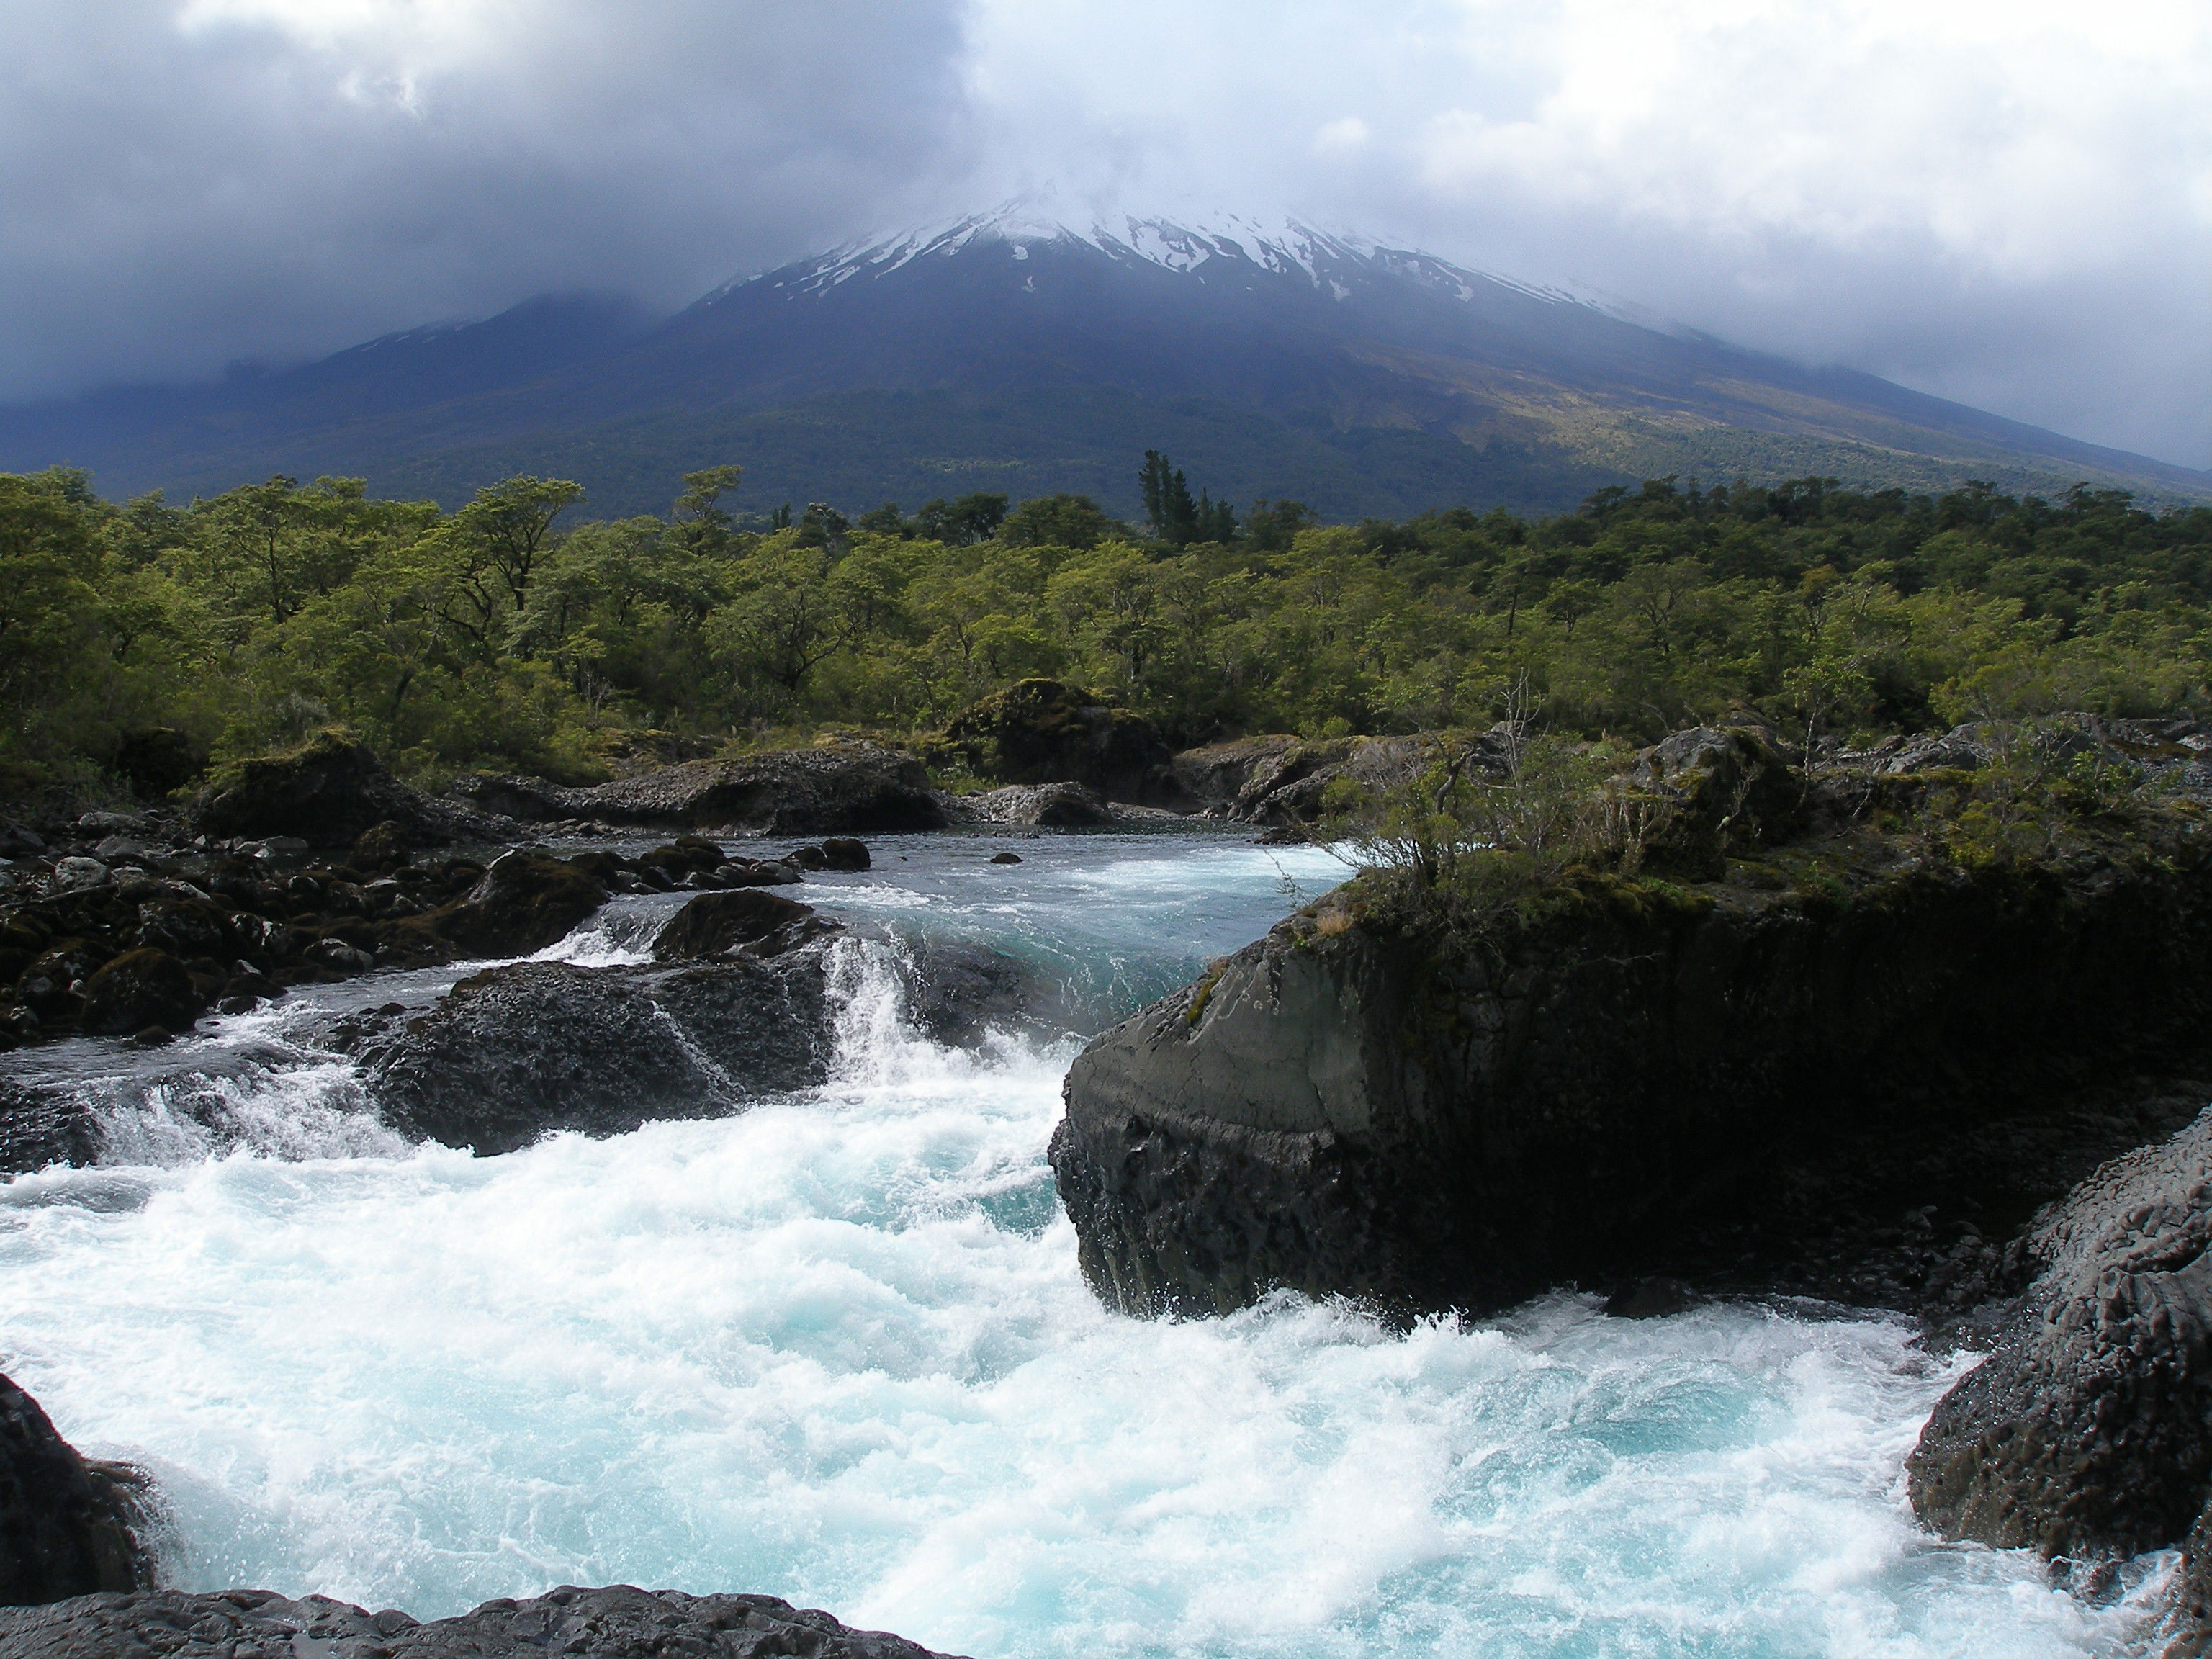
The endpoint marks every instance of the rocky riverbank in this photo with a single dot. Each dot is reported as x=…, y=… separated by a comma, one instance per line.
x=1864, y=1027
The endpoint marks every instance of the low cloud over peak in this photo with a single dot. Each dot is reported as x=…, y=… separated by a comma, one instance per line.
x=2006, y=205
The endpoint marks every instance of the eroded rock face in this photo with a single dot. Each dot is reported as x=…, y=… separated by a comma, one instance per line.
x=66, y=1526
x=516, y=1053
x=2089, y=1431
x=1728, y=1085
x=524, y=902
x=840, y=789
x=620, y=1622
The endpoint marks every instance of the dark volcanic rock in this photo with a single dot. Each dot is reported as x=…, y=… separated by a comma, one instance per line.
x=1748, y=1082
x=66, y=1526
x=2089, y=1431
x=957, y=991
x=616, y=1623
x=1042, y=732
x=327, y=791
x=43, y=1126
x=516, y=1052
x=524, y=902
x=841, y=789
x=714, y=923
x=844, y=853
x=137, y=989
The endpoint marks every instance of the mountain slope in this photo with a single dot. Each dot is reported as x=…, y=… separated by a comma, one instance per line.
x=1003, y=352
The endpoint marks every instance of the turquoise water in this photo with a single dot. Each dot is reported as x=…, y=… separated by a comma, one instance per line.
x=837, y=1349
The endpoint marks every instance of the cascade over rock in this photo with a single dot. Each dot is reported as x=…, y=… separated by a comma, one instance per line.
x=516, y=1053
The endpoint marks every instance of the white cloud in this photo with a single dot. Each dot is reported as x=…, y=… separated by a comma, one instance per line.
x=2008, y=203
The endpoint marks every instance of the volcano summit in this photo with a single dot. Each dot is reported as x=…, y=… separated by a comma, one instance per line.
x=1007, y=352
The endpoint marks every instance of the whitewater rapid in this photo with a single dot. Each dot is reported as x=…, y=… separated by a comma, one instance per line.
x=837, y=1348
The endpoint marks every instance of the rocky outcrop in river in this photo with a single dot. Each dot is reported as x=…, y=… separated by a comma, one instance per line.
x=2087, y=1431
x=1847, y=1067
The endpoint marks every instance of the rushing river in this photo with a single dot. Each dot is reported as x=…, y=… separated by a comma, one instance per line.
x=837, y=1348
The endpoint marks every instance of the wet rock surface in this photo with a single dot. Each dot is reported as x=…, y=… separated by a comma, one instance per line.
x=68, y=1527
x=196, y=926
x=619, y=1622
x=766, y=924
x=516, y=1053
x=2088, y=1429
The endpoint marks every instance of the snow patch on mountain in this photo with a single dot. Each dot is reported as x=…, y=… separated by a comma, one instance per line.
x=1223, y=244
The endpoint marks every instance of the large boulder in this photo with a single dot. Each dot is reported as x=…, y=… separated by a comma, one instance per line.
x=845, y=788
x=1833, y=1088
x=2087, y=1431
x=1044, y=732
x=1727, y=790
x=326, y=791
x=620, y=1622
x=524, y=900
x=1286, y=782
x=137, y=989
x=714, y=924
x=513, y=1054
x=67, y=1527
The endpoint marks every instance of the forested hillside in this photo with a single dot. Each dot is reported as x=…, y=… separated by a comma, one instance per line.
x=142, y=641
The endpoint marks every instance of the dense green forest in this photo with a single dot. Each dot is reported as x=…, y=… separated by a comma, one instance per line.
x=139, y=640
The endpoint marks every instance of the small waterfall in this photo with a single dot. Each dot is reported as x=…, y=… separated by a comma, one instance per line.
x=315, y=1110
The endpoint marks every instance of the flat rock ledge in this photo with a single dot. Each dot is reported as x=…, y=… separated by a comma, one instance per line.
x=619, y=1622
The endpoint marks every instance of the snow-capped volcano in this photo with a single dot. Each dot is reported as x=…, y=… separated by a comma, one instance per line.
x=1224, y=246
x=1030, y=350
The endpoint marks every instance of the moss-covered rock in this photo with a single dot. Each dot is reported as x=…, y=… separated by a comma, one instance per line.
x=1044, y=732
x=326, y=791
x=141, y=988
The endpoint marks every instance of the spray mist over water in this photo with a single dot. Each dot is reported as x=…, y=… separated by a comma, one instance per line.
x=837, y=1348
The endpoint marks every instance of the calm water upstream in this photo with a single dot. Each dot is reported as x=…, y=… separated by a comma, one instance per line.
x=837, y=1348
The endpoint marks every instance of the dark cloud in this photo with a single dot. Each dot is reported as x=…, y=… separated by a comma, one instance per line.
x=186, y=183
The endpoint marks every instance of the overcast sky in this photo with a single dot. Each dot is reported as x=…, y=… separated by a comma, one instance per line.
x=2009, y=203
